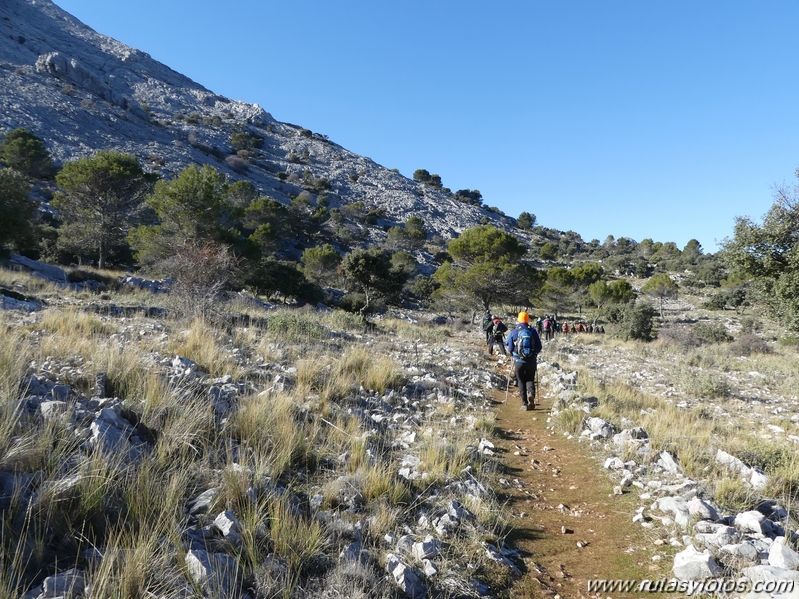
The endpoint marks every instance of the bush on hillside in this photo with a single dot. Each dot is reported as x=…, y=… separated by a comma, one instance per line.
x=356, y=302
x=548, y=251
x=749, y=344
x=16, y=208
x=635, y=322
x=789, y=342
x=24, y=152
x=711, y=333
x=679, y=336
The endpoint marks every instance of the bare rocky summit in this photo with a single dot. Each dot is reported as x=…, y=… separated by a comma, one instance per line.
x=81, y=91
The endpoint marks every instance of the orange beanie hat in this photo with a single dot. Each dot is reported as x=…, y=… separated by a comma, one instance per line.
x=524, y=317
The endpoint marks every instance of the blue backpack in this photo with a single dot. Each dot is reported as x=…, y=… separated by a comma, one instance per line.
x=524, y=347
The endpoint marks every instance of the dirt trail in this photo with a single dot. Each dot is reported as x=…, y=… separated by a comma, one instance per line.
x=553, y=484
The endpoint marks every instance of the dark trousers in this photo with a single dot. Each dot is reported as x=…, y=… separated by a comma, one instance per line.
x=497, y=339
x=525, y=377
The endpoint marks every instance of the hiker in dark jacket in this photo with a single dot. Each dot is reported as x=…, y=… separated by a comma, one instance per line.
x=488, y=326
x=498, y=336
x=524, y=367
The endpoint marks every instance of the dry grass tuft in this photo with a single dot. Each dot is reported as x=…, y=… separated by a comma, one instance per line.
x=202, y=343
x=444, y=457
x=298, y=538
x=274, y=434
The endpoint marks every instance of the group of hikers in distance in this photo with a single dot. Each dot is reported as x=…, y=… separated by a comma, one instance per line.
x=524, y=344
x=546, y=326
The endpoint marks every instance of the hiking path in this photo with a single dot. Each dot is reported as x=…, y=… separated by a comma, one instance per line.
x=565, y=515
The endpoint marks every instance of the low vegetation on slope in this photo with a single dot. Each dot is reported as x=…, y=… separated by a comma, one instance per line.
x=701, y=424
x=299, y=454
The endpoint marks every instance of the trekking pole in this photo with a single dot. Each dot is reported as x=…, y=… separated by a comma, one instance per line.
x=507, y=386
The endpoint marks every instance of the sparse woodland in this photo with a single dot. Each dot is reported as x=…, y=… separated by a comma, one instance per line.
x=294, y=411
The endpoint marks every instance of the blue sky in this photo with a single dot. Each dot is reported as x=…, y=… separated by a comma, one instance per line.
x=634, y=119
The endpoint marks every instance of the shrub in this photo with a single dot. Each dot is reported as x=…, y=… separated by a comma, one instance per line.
x=717, y=301
x=701, y=383
x=236, y=163
x=246, y=141
x=270, y=277
x=711, y=333
x=526, y=221
x=442, y=256
x=679, y=336
x=548, y=251
x=201, y=272
x=749, y=344
x=353, y=302
x=25, y=153
x=295, y=327
x=750, y=323
x=789, y=342
x=16, y=208
x=469, y=196
x=423, y=287
x=635, y=322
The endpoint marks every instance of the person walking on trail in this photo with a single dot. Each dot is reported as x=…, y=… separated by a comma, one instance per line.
x=546, y=325
x=498, y=336
x=488, y=325
x=524, y=345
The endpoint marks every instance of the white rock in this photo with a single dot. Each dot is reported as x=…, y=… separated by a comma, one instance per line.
x=426, y=549
x=705, y=511
x=676, y=506
x=733, y=463
x=404, y=578
x=753, y=521
x=52, y=410
x=230, y=528
x=669, y=463
x=428, y=568
x=691, y=564
x=600, y=427
x=782, y=556
x=745, y=551
x=64, y=584
x=769, y=573
x=758, y=479
x=218, y=573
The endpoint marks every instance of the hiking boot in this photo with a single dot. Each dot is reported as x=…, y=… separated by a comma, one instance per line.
x=525, y=407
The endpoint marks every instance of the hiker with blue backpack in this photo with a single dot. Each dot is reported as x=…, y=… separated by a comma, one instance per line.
x=524, y=345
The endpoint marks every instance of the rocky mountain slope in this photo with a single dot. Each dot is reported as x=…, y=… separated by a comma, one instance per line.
x=81, y=91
